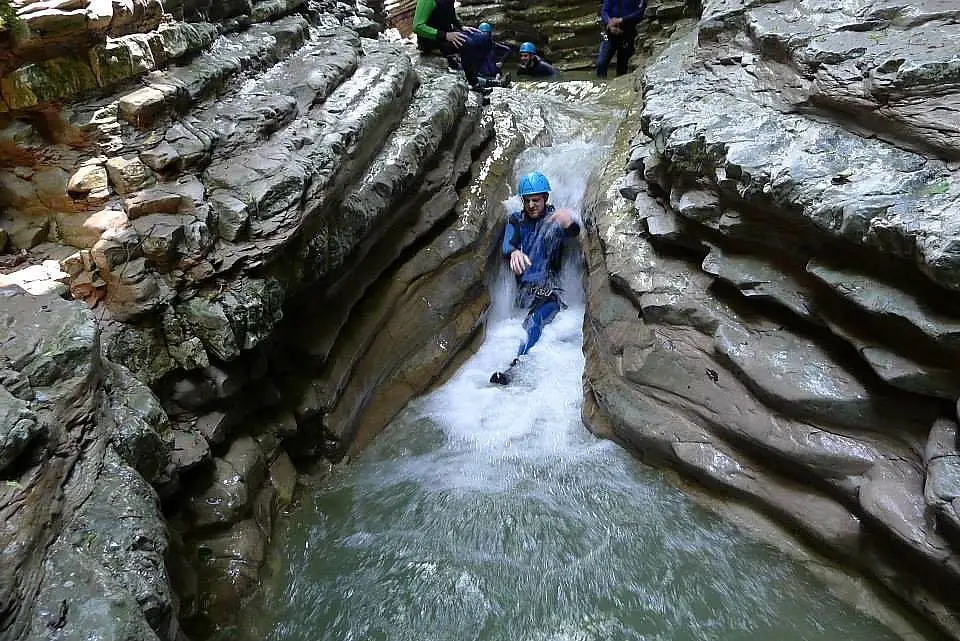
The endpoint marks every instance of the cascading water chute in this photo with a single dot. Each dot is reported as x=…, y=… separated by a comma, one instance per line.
x=490, y=513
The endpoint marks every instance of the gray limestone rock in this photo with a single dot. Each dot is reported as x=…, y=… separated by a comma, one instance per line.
x=161, y=158
x=224, y=501
x=190, y=449
x=208, y=321
x=246, y=457
x=129, y=174
x=19, y=427
x=141, y=348
x=141, y=429
x=49, y=344
x=156, y=200
x=891, y=67
x=232, y=215
x=791, y=373
x=902, y=310
x=133, y=290
x=120, y=529
x=817, y=178
x=215, y=426
x=760, y=277
x=283, y=477
x=910, y=373
x=229, y=567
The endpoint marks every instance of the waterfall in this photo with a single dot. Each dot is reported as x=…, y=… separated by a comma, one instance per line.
x=491, y=513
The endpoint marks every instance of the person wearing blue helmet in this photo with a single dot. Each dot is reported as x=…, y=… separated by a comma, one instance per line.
x=533, y=243
x=493, y=65
x=619, y=18
x=482, y=59
x=532, y=64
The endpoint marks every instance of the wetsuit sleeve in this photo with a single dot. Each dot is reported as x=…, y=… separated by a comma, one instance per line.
x=572, y=230
x=638, y=7
x=501, y=51
x=511, y=237
x=605, y=10
x=545, y=69
x=421, y=15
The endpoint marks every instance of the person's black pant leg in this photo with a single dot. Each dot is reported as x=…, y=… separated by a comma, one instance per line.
x=626, y=45
x=472, y=56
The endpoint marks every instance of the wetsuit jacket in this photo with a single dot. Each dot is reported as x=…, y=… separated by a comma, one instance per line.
x=630, y=10
x=540, y=68
x=499, y=53
x=480, y=54
x=434, y=18
x=541, y=240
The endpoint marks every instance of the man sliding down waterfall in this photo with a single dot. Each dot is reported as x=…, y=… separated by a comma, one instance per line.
x=533, y=241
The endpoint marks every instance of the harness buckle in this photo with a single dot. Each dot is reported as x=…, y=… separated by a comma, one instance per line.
x=543, y=291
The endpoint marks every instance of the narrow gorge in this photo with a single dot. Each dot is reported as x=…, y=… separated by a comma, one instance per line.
x=238, y=238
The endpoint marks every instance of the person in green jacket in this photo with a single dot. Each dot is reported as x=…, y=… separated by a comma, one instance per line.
x=437, y=27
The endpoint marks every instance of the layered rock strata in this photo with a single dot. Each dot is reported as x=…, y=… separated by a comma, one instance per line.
x=787, y=234
x=274, y=231
x=80, y=441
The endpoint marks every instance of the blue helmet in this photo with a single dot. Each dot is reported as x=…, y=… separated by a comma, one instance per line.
x=485, y=27
x=528, y=47
x=533, y=183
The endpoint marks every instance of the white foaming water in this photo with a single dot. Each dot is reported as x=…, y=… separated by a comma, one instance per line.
x=496, y=429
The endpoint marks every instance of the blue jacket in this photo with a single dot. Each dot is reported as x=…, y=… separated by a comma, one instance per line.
x=630, y=10
x=500, y=53
x=482, y=54
x=540, y=239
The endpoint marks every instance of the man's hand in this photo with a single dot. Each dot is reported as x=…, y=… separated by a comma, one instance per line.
x=470, y=29
x=519, y=262
x=456, y=38
x=563, y=217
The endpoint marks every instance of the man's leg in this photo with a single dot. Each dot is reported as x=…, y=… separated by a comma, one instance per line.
x=625, y=49
x=604, y=57
x=539, y=316
x=471, y=66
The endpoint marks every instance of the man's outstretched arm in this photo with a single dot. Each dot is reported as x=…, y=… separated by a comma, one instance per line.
x=567, y=221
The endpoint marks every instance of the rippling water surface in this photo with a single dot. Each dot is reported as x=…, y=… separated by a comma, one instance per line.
x=488, y=513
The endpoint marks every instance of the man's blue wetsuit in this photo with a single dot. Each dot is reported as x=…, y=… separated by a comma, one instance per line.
x=621, y=44
x=480, y=55
x=541, y=239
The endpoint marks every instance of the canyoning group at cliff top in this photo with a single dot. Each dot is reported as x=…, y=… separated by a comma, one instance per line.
x=474, y=50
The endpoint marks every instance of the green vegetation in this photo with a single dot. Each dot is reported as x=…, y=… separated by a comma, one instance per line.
x=8, y=15
x=935, y=189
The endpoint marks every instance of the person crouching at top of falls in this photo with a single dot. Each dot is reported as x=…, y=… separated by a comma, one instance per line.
x=533, y=65
x=620, y=18
x=483, y=58
x=533, y=242
x=437, y=27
